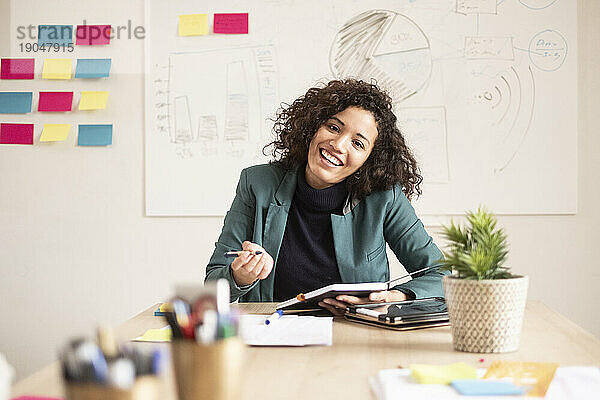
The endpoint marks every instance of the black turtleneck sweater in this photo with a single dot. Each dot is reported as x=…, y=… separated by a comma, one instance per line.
x=307, y=257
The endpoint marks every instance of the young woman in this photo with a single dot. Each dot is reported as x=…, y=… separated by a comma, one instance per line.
x=322, y=212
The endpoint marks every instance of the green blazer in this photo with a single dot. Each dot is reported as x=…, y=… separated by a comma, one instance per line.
x=259, y=213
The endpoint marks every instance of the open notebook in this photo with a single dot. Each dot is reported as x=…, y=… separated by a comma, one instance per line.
x=310, y=300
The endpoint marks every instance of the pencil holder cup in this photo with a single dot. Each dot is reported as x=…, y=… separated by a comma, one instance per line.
x=208, y=372
x=145, y=388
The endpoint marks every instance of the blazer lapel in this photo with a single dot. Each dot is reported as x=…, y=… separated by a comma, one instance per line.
x=343, y=239
x=341, y=226
x=275, y=223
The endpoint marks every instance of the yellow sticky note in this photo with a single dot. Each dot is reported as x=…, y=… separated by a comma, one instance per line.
x=55, y=132
x=156, y=335
x=193, y=25
x=57, y=68
x=442, y=374
x=93, y=100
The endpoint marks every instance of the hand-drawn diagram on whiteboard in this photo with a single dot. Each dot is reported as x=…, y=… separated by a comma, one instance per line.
x=233, y=121
x=485, y=93
x=390, y=48
x=425, y=132
x=385, y=46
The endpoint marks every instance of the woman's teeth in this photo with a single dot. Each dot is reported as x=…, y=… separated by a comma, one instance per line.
x=331, y=158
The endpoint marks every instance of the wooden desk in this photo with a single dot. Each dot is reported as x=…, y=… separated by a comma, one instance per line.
x=359, y=351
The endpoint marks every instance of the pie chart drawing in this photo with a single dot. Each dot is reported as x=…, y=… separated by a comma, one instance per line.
x=385, y=46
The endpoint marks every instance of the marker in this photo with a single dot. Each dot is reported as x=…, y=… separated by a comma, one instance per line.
x=121, y=373
x=92, y=362
x=157, y=361
x=183, y=315
x=107, y=342
x=273, y=317
x=175, y=328
x=226, y=326
x=234, y=254
x=222, y=296
x=206, y=333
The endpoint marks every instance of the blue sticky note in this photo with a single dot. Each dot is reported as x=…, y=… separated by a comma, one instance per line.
x=92, y=68
x=482, y=387
x=94, y=135
x=55, y=34
x=15, y=102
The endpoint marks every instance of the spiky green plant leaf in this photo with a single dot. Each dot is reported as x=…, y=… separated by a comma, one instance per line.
x=477, y=251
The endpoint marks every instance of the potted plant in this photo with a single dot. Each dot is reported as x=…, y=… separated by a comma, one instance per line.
x=485, y=301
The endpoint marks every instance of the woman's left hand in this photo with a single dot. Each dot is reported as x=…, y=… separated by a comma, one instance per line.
x=337, y=305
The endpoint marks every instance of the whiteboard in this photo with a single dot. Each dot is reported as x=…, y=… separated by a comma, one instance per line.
x=485, y=92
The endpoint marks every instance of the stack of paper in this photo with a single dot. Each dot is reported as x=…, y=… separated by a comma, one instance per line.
x=289, y=330
x=568, y=383
x=390, y=382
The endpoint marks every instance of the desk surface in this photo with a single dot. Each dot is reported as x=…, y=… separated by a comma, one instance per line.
x=358, y=352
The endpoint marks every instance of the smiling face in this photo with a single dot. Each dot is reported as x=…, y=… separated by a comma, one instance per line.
x=340, y=147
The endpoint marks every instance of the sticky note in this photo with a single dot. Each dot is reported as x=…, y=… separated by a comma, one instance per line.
x=17, y=68
x=231, y=23
x=55, y=101
x=55, y=34
x=479, y=387
x=93, y=100
x=537, y=375
x=156, y=335
x=92, y=68
x=35, y=398
x=90, y=35
x=15, y=102
x=57, y=68
x=94, y=135
x=193, y=25
x=442, y=374
x=16, y=133
x=55, y=132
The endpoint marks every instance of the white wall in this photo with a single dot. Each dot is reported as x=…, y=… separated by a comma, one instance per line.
x=76, y=249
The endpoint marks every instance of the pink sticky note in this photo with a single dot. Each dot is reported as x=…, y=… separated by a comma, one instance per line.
x=92, y=34
x=16, y=133
x=231, y=23
x=17, y=68
x=55, y=101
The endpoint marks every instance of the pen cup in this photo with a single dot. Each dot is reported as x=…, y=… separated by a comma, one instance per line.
x=208, y=372
x=145, y=388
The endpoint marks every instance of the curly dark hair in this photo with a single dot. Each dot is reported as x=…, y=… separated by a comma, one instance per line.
x=390, y=162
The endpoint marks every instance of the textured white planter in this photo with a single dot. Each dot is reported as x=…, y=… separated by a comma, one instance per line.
x=486, y=316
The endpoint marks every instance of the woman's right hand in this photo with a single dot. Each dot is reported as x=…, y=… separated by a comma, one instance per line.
x=247, y=268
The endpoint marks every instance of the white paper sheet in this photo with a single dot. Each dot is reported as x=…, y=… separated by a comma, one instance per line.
x=580, y=383
x=289, y=330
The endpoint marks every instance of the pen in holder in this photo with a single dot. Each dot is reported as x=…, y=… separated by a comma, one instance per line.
x=206, y=351
x=101, y=371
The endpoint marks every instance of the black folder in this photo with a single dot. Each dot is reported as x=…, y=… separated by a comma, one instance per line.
x=403, y=315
